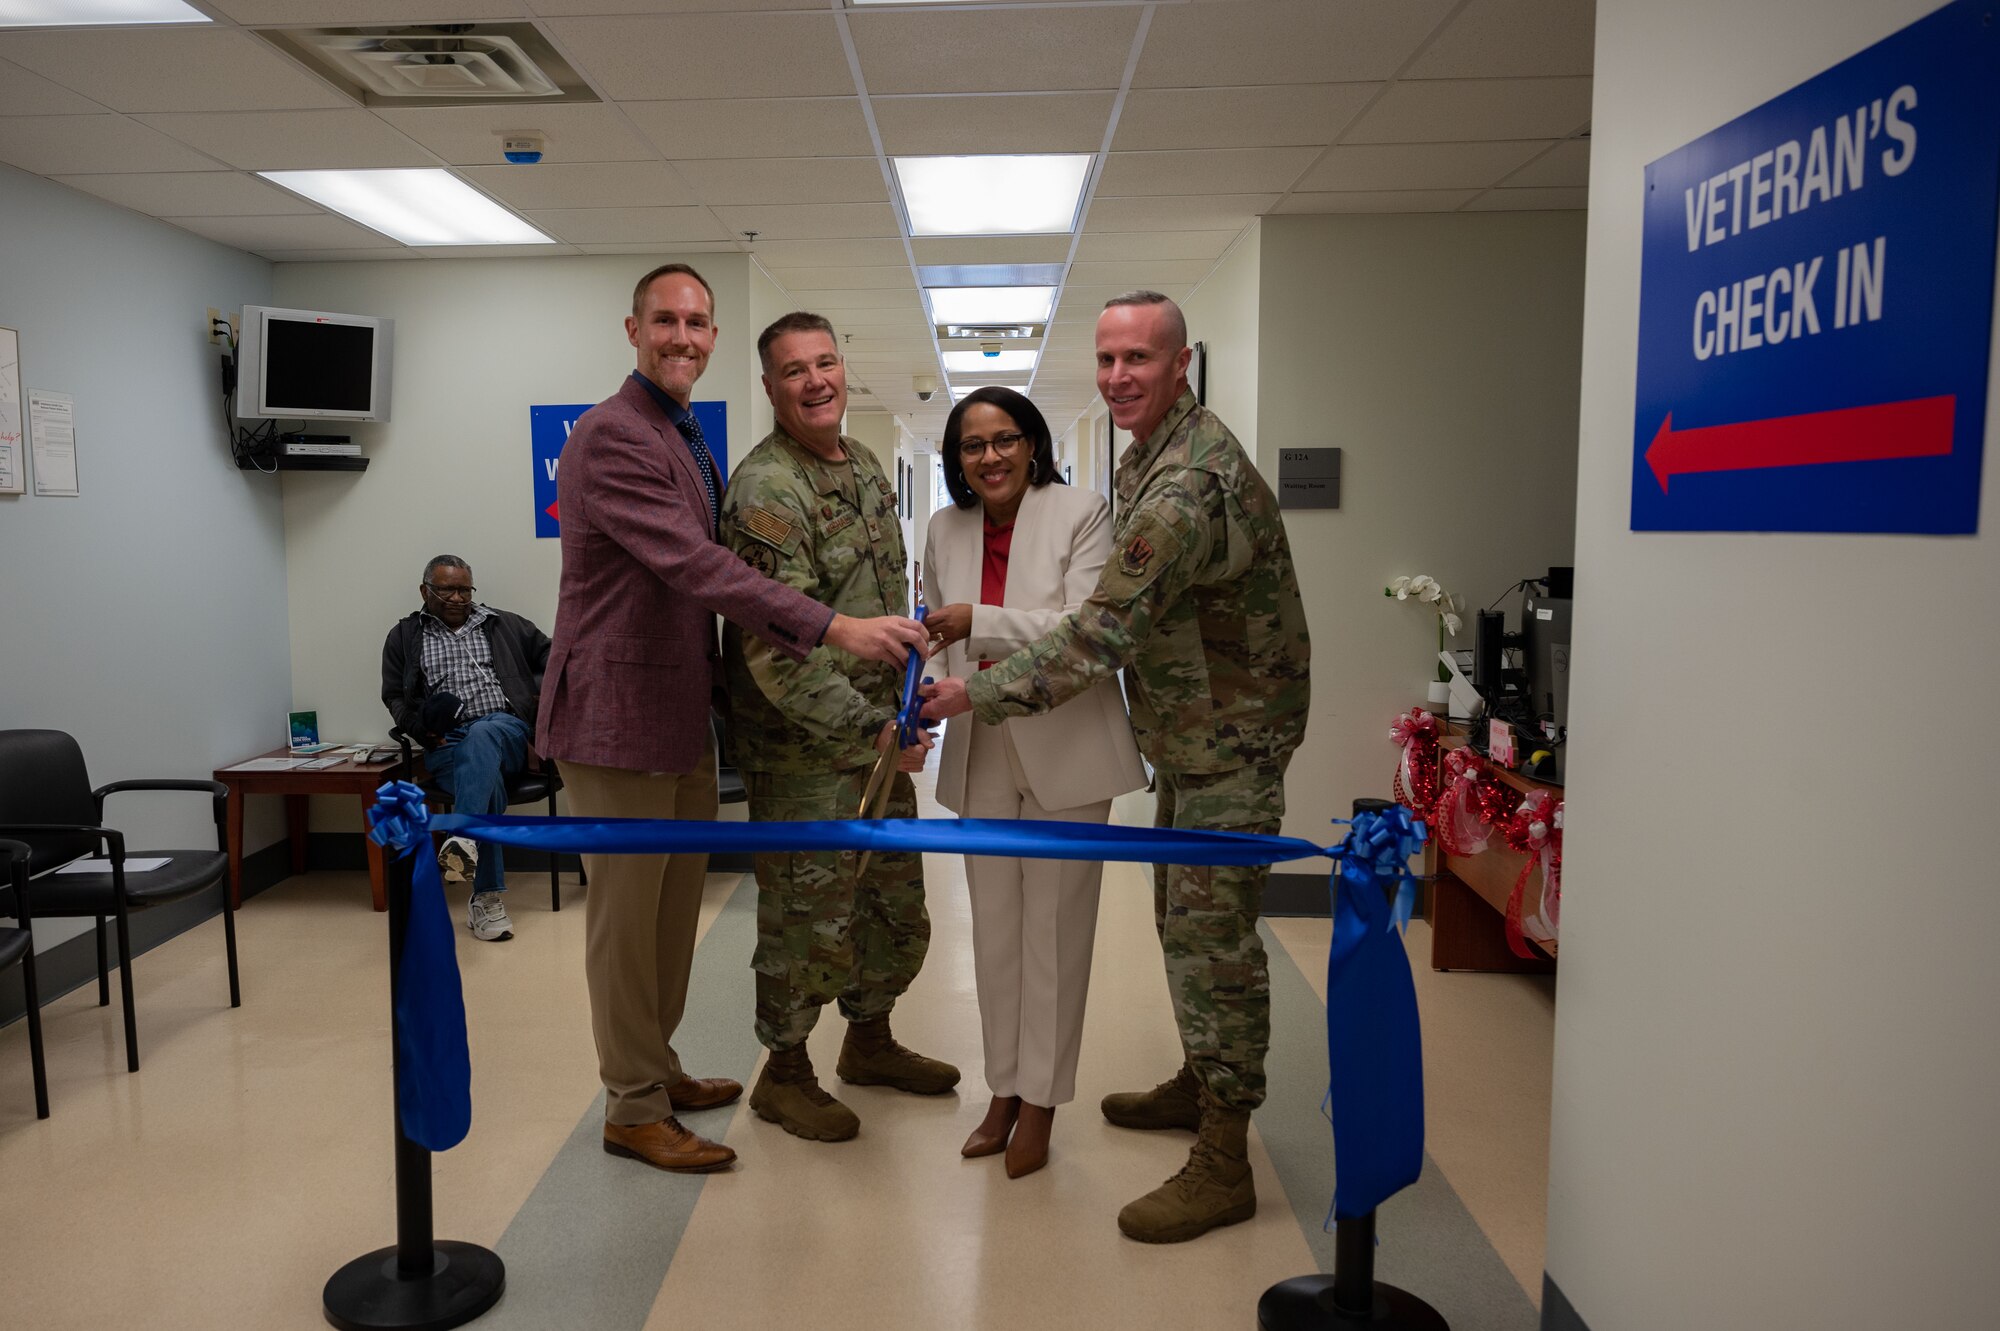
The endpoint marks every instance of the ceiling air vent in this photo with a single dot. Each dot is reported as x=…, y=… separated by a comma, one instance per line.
x=445, y=64
x=990, y=330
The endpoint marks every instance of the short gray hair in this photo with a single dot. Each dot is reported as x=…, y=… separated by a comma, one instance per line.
x=1176, y=321
x=798, y=321
x=445, y=561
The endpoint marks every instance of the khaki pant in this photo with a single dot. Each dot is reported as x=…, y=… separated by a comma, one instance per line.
x=1034, y=923
x=639, y=925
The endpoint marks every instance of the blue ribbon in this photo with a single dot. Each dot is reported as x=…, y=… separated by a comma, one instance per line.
x=1374, y=1050
x=1375, y=1098
x=433, y=1063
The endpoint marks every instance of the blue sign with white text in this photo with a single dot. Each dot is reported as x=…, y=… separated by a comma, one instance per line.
x=548, y=431
x=1816, y=299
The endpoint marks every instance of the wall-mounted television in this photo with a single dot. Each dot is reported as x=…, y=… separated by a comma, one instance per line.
x=313, y=365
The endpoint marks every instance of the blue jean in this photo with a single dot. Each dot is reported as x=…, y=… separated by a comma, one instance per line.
x=473, y=765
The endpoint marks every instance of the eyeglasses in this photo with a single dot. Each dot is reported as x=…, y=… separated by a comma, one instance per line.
x=1004, y=445
x=451, y=593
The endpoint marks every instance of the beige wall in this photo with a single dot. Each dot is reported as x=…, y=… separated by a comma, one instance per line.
x=1225, y=315
x=767, y=301
x=1776, y=1075
x=477, y=343
x=1440, y=353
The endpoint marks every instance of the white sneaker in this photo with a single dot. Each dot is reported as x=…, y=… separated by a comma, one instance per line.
x=458, y=857
x=487, y=917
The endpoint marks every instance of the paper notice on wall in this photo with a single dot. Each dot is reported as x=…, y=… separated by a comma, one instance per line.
x=52, y=437
x=12, y=477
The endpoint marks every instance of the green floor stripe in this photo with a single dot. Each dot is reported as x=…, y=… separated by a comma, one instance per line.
x=1430, y=1244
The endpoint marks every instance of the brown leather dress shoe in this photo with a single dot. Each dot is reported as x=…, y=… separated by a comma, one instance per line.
x=692, y=1093
x=990, y=1137
x=1028, y=1148
x=666, y=1145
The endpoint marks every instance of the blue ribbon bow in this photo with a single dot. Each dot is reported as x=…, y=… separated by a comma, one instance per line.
x=433, y=1063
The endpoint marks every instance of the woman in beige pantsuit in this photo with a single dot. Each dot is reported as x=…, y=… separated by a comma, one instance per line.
x=1002, y=567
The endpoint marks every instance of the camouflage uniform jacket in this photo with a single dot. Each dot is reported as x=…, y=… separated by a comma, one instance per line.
x=1199, y=604
x=830, y=530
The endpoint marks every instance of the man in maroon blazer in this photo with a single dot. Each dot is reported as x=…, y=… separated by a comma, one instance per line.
x=625, y=698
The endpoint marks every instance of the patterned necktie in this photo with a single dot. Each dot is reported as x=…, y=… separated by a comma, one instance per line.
x=704, y=462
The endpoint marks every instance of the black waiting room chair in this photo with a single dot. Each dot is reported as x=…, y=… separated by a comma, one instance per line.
x=47, y=803
x=526, y=788
x=17, y=947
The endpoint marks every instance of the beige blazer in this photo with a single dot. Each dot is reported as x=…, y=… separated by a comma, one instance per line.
x=1082, y=751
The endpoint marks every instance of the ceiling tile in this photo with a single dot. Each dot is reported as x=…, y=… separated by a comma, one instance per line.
x=1565, y=166
x=802, y=221
x=1140, y=272
x=260, y=234
x=1204, y=171
x=552, y=7
x=1156, y=245
x=992, y=50
x=1462, y=110
x=331, y=13
x=1212, y=212
x=192, y=194
x=868, y=299
x=1379, y=201
x=815, y=180
x=583, y=185
x=470, y=135
x=678, y=56
x=47, y=145
x=340, y=255
x=662, y=251
x=1283, y=41
x=169, y=69
x=627, y=226
x=991, y=249
x=1512, y=38
x=1418, y=165
x=293, y=140
x=497, y=251
x=775, y=254
x=1056, y=122
x=1523, y=200
x=843, y=279
x=25, y=94
x=1292, y=113
x=754, y=126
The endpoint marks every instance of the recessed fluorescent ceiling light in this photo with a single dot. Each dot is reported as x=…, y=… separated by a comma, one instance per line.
x=959, y=394
x=421, y=207
x=978, y=362
x=992, y=196
x=991, y=305
x=92, y=13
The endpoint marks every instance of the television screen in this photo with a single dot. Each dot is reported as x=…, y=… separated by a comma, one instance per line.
x=317, y=366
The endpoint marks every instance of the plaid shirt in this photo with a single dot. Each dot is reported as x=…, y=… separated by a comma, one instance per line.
x=462, y=663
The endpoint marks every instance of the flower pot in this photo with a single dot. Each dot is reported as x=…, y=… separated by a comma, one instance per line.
x=1439, y=698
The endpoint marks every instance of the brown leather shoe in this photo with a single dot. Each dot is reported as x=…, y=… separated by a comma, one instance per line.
x=1028, y=1148
x=990, y=1137
x=666, y=1145
x=691, y=1093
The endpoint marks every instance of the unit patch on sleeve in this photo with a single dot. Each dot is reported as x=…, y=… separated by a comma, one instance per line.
x=762, y=558
x=1132, y=562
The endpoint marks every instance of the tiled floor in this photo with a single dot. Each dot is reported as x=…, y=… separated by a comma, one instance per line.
x=221, y=1185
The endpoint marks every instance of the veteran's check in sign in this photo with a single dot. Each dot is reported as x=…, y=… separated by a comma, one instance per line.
x=1816, y=298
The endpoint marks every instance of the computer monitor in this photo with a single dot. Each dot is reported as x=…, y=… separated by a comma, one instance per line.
x=1547, y=620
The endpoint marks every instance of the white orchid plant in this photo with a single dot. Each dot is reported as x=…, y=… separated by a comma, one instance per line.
x=1425, y=590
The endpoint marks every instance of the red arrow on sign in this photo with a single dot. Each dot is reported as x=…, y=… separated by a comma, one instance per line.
x=1918, y=428
x=551, y=509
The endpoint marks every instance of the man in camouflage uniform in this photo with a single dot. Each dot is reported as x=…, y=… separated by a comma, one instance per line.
x=1200, y=606
x=812, y=509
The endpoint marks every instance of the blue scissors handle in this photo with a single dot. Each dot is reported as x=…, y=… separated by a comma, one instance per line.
x=908, y=722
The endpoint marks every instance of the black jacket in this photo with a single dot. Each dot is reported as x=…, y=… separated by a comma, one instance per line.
x=520, y=653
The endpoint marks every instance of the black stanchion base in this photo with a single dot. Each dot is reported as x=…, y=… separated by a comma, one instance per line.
x=368, y=1293
x=1305, y=1303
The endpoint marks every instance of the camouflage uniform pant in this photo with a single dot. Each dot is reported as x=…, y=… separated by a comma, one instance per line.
x=1207, y=920
x=823, y=933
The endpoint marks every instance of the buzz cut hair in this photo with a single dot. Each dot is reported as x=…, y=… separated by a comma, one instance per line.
x=669, y=270
x=445, y=561
x=1176, y=321
x=798, y=321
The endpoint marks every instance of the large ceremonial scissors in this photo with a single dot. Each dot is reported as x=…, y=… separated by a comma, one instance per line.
x=909, y=725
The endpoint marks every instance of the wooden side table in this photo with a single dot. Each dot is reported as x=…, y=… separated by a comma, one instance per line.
x=297, y=785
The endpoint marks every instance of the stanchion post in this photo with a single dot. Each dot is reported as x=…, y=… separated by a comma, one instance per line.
x=1351, y=1296
x=420, y=1284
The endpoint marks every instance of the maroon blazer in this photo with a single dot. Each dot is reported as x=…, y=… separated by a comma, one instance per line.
x=634, y=660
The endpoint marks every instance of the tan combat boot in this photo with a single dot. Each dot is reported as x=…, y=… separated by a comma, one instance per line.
x=1213, y=1189
x=788, y=1095
x=870, y=1056
x=1174, y=1103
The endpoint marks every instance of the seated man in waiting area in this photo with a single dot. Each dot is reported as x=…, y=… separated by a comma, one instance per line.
x=464, y=680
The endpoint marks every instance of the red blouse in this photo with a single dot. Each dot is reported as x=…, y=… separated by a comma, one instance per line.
x=993, y=568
